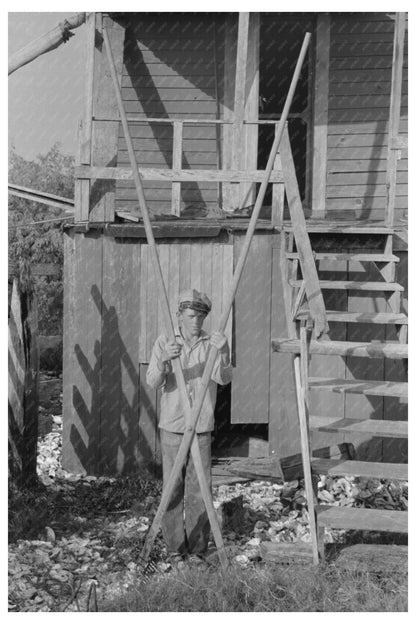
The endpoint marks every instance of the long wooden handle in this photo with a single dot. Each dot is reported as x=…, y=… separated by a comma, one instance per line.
x=196, y=410
x=176, y=365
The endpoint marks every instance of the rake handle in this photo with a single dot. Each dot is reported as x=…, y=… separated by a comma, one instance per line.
x=196, y=410
x=176, y=365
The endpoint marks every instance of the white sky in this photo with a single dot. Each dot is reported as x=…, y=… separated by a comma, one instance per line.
x=46, y=96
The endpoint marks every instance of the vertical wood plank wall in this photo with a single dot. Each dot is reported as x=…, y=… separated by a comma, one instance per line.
x=361, y=54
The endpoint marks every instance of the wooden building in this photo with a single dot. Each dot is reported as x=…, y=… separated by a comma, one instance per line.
x=203, y=94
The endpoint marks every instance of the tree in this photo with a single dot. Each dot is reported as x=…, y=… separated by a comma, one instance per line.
x=41, y=243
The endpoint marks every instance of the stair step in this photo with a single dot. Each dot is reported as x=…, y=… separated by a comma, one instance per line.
x=370, y=470
x=363, y=519
x=388, y=350
x=360, y=386
x=337, y=227
x=351, y=285
x=352, y=257
x=380, y=318
x=379, y=428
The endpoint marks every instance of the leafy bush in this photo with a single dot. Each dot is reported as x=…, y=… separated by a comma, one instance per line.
x=41, y=243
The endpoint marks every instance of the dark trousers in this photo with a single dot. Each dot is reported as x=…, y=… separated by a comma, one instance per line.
x=185, y=524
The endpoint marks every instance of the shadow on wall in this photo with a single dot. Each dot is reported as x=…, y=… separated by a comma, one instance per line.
x=106, y=437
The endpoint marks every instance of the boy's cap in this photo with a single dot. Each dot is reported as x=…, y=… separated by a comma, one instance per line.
x=194, y=300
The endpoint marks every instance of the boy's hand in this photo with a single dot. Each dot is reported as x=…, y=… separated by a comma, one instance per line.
x=171, y=351
x=219, y=341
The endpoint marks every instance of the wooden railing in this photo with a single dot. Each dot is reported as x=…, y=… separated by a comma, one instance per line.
x=176, y=175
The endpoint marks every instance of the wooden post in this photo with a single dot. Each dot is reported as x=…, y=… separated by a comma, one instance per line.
x=235, y=135
x=278, y=193
x=51, y=40
x=394, y=118
x=303, y=244
x=176, y=166
x=23, y=381
x=105, y=137
x=320, y=122
x=301, y=379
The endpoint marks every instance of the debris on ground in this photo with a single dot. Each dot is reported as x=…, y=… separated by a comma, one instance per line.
x=78, y=538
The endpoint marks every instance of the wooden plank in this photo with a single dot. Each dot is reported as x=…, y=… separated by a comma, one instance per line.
x=82, y=355
x=373, y=558
x=365, y=177
x=104, y=148
x=381, y=428
x=365, y=469
x=170, y=94
x=287, y=553
x=344, y=348
x=189, y=145
x=315, y=300
x=367, y=206
x=353, y=285
x=278, y=193
x=148, y=441
x=86, y=142
x=177, y=164
x=351, y=191
x=196, y=175
x=237, y=131
x=250, y=402
x=394, y=117
x=283, y=421
x=383, y=318
x=360, y=386
x=120, y=305
x=357, y=153
x=323, y=34
x=251, y=110
x=358, y=257
x=363, y=519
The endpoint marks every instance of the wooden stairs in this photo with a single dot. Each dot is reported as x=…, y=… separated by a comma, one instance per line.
x=389, y=321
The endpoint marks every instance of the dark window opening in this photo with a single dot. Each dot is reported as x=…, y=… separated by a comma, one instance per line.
x=281, y=39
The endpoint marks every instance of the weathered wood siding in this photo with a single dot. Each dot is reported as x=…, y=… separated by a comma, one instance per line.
x=204, y=266
x=112, y=318
x=361, y=52
x=170, y=71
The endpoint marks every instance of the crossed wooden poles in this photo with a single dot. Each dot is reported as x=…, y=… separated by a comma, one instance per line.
x=189, y=441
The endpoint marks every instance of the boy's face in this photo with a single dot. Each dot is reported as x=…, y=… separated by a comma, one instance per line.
x=191, y=321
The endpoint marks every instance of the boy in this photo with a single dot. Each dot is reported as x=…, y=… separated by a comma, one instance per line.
x=185, y=525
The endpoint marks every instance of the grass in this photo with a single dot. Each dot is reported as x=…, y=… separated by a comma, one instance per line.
x=267, y=588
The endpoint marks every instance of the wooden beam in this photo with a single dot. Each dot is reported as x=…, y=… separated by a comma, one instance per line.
x=105, y=138
x=42, y=198
x=239, y=104
x=181, y=175
x=251, y=109
x=394, y=117
x=177, y=164
x=51, y=40
x=303, y=244
x=85, y=157
x=320, y=122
